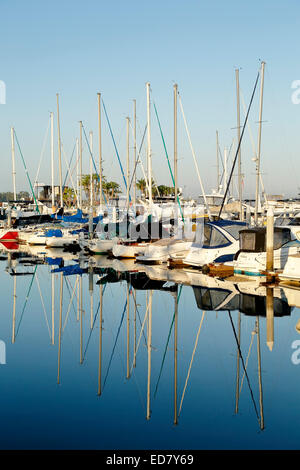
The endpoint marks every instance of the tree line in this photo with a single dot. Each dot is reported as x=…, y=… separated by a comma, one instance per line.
x=9, y=196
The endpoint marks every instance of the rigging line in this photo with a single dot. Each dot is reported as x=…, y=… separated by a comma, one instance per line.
x=69, y=306
x=114, y=142
x=242, y=359
x=114, y=347
x=194, y=158
x=91, y=330
x=139, y=318
x=66, y=162
x=26, y=171
x=42, y=153
x=93, y=326
x=168, y=339
x=191, y=363
x=239, y=144
x=25, y=303
x=68, y=284
x=254, y=151
x=69, y=167
x=167, y=156
x=138, y=343
x=138, y=160
x=44, y=309
x=247, y=359
x=164, y=355
x=94, y=164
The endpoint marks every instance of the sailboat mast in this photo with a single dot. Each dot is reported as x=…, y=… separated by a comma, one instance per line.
x=225, y=172
x=149, y=145
x=238, y=139
x=127, y=165
x=77, y=172
x=217, y=155
x=80, y=164
x=59, y=153
x=259, y=141
x=134, y=153
x=91, y=170
x=100, y=150
x=12, y=134
x=149, y=353
x=52, y=158
x=175, y=355
x=14, y=311
x=261, y=405
x=175, y=144
x=100, y=341
x=128, y=332
x=52, y=307
x=237, y=390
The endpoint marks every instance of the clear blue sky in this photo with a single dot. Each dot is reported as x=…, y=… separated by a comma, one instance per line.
x=80, y=48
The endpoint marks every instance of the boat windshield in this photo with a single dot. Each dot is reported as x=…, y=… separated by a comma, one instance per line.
x=213, y=237
x=210, y=299
x=234, y=230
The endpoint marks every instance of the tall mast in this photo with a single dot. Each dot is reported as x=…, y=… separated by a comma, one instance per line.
x=134, y=153
x=127, y=165
x=52, y=159
x=259, y=141
x=175, y=355
x=128, y=331
x=134, y=324
x=149, y=146
x=80, y=164
x=218, y=169
x=100, y=150
x=237, y=390
x=77, y=172
x=100, y=341
x=238, y=139
x=91, y=169
x=12, y=134
x=59, y=153
x=225, y=172
x=14, y=311
x=60, y=326
x=149, y=353
x=261, y=405
x=175, y=144
x=52, y=307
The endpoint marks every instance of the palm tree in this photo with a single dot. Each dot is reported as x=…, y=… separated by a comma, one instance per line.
x=86, y=185
x=141, y=185
x=111, y=188
x=69, y=197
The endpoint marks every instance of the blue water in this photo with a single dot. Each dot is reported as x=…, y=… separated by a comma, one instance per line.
x=37, y=412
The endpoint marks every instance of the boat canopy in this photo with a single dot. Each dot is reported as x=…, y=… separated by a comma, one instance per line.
x=254, y=239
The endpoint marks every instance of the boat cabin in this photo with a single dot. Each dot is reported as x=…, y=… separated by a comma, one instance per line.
x=254, y=239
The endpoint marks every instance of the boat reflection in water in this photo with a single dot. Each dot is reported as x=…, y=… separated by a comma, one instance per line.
x=137, y=286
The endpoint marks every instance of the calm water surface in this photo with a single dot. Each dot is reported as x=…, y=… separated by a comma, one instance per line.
x=132, y=360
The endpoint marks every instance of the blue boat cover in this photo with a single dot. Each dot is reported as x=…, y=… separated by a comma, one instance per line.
x=54, y=233
x=77, y=218
x=69, y=270
x=53, y=261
